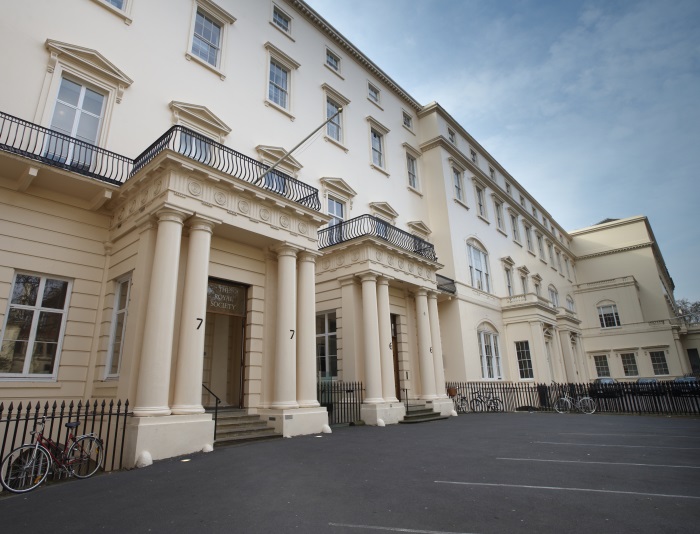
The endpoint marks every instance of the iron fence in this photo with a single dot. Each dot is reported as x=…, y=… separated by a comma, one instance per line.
x=106, y=420
x=369, y=225
x=343, y=400
x=662, y=398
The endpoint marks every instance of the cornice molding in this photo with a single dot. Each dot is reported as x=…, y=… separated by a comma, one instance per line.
x=616, y=251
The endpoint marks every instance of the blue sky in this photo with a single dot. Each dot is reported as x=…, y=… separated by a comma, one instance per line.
x=594, y=106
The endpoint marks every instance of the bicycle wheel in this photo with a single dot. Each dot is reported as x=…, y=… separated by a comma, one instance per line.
x=24, y=468
x=496, y=405
x=562, y=405
x=587, y=405
x=476, y=405
x=85, y=456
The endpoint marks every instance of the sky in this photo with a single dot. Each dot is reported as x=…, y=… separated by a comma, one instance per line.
x=593, y=106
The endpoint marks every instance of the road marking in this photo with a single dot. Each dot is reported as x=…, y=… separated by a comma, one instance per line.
x=604, y=463
x=627, y=446
x=627, y=435
x=568, y=489
x=393, y=529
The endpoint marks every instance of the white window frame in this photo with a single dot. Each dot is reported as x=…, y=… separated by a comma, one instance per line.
x=524, y=357
x=480, y=197
x=279, y=13
x=412, y=171
x=330, y=54
x=290, y=66
x=602, y=367
x=224, y=19
x=377, y=154
x=36, y=310
x=524, y=283
x=123, y=12
x=326, y=335
x=509, y=281
x=540, y=245
x=557, y=253
x=451, y=136
x=336, y=125
x=550, y=250
x=570, y=305
x=474, y=156
x=407, y=120
x=478, y=267
x=659, y=362
x=607, y=313
x=458, y=185
x=509, y=189
x=553, y=296
x=374, y=94
x=498, y=208
x=121, y=309
x=515, y=225
x=629, y=364
x=528, y=237
x=492, y=173
x=489, y=353
x=331, y=94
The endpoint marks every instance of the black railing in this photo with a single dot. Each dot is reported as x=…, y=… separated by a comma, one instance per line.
x=106, y=420
x=204, y=150
x=369, y=225
x=58, y=150
x=217, y=401
x=343, y=400
x=664, y=398
x=445, y=284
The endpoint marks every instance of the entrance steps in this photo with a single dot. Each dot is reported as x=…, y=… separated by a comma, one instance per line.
x=235, y=425
x=418, y=413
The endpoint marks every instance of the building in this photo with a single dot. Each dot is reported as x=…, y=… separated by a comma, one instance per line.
x=147, y=248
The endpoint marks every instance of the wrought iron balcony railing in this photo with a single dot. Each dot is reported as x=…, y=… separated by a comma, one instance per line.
x=199, y=148
x=41, y=144
x=58, y=150
x=369, y=225
x=445, y=284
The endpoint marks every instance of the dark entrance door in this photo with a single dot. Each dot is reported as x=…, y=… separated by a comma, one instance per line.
x=694, y=360
x=395, y=351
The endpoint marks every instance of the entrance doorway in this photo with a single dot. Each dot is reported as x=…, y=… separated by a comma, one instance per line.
x=395, y=351
x=224, y=341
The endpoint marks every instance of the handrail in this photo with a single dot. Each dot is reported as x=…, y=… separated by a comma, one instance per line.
x=53, y=148
x=200, y=148
x=216, y=407
x=35, y=142
x=369, y=225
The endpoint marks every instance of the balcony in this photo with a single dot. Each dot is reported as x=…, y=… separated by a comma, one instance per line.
x=446, y=284
x=52, y=148
x=369, y=225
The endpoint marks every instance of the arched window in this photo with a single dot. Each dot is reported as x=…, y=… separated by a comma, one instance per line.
x=554, y=296
x=570, y=303
x=478, y=266
x=607, y=314
x=489, y=353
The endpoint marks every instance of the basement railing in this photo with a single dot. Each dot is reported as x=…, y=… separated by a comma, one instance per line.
x=369, y=225
x=35, y=142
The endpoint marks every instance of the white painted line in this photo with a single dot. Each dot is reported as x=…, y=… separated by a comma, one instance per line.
x=392, y=529
x=568, y=489
x=603, y=463
x=626, y=446
x=627, y=435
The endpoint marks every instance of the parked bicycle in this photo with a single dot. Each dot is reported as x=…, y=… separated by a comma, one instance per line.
x=583, y=404
x=27, y=466
x=487, y=402
x=461, y=403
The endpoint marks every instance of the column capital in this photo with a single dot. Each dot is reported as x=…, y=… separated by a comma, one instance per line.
x=172, y=214
x=422, y=292
x=383, y=280
x=433, y=295
x=285, y=249
x=368, y=277
x=202, y=222
x=308, y=256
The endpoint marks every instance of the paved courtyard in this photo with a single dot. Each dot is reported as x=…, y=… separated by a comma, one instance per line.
x=478, y=473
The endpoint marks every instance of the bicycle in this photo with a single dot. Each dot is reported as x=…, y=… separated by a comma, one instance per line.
x=27, y=466
x=461, y=403
x=583, y=404
x=485, y=402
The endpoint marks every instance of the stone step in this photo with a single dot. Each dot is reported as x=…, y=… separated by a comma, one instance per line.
x=422, y=417
x=246, y=431
x=236, y=425
x=236, y=440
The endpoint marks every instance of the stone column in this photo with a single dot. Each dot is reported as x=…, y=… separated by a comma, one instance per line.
x=306, y=331
x=190, y=360
x=153, y=390
x=386, y=354
x=284, y=394
x=425, y=356
x=373, y=373
x=437, y=346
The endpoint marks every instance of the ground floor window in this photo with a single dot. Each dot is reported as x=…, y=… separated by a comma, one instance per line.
x=658, y=362
x=629, y=364
x=326, y=345
x=490, y=357
x=116, y=344
x=522, y=349
x=34, y=325
x=601, y=365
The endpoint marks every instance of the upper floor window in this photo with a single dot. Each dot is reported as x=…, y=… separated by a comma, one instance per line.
x=407, y=121
x=332, y=60
x=489, y=355
x=336, y=209
x=119, y=4
x=478, y=267
x=116, y=343
x=121, y=8
x=509, y=281
x=499, y=214
x=566, y=263
x=540, y=246
x=373, y=93
x=34, y=325
x=608, y=316
x=481, y=206
x=550, y=249
x=377, y=148
x=472, y=152
x=514, y=225
x=279, y=84
x=206, y=43
x=523, y=282
x=509, y=190
x=452, y=136
x=538, y=291
x=554, y=296
x=601, y=365
x=327, y=345
x=528, y=237
x=492, y=173
x=281, y=20
x=412, y=169
x=333, y=128
x=522, y=201
x=458, y=184
x=658, y=362
x=534, y=212
x=559, y=260
x=569, y=303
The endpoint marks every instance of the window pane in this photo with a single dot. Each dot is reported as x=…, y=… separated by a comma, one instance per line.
x=12, y=356
x=331, y=322
x=43, y=358
x=87, y=128
x=49, y=326
x=19, y=324
x=55, y=294
x=69, y=92
x=63, y=119
x=25, y=290
x=320, y=324
x=92, y=102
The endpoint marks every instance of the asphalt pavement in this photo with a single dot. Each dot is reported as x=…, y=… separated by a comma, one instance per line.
x=476, y=473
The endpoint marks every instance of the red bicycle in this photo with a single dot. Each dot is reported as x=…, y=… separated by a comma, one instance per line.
x=27, y=466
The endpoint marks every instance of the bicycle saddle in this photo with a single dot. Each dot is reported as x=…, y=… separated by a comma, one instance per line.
x=73, y=424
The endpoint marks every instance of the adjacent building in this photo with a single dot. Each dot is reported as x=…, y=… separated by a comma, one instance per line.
x=154, y=238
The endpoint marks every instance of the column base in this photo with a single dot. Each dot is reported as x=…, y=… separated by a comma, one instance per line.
x=390, y=413
x=308, y=403
x=284, y=405
x=295, y=421
x=165, y=437
x=443, y=406
x=187, y=409
x=151, y=411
